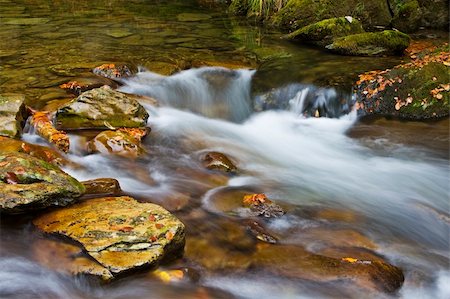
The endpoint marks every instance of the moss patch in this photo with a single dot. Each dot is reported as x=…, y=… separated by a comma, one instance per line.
x=388, y=42
x=325, y=31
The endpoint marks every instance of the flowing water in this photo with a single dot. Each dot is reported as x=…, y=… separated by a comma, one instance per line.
x=378, y=184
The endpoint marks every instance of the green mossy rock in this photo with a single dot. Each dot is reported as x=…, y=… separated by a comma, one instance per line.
x=435, y=14
x=324, y=32
x=28, y=183
x=388, y=42
x=418, y=92
x=299, y=13
x=407, y=15
x=102, y=108
x=118, y=232
x=12, y=114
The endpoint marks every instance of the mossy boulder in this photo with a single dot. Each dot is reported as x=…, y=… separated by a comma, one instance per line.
x=434, y=14
x=416, y=90
x=28, y=183
x=407, y=15
x=12, y=114
x=387, y=42
x=118, y=232
x=325, y=31
x=299, y=13
x=102, y=108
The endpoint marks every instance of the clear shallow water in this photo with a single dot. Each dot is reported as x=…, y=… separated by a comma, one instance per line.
x=391, y=177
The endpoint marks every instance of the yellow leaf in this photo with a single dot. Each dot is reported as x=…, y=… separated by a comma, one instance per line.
x=349, y=259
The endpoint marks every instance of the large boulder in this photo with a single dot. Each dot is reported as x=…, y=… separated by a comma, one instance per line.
x=325, y=31
x=12, y=114
x=28, y=183
x=299, y=13
x=118, y=232
x=102, y=108
x=416, y=90
x=407, y=15
x=387, y=42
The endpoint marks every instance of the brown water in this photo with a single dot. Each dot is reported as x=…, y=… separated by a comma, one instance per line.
x=383, y=182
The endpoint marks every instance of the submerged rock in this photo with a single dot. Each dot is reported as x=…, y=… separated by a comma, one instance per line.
x=218, y=161
x=326, y=31
x=28, y=183
x=260, y=205
x=388, y=42
x=118, y=232
x=67, y=258
x=102, y=108
x=12, y=114
x=82, y=84
x=295, y=262
x=416, y=90
x=117, y=143
x=102, y=186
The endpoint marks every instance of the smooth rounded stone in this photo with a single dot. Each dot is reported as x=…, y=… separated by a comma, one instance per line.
x=327, y=30
x=117, y=143
x=119, y=232
x=82, y=84
x=114, y=71
x=177, y=275
x=104, y=186
x=387, y=42
x=269, y=53
x=192, y=17
x=102, y=108
x=25, y=21
x=28, y=183
x=9, y=145
x=297, y=263
x=67, y=258
x=134, y=40
x=12, y=114
x=218, y=161
x=163, y=68
x=214, y=257
x=118, y=32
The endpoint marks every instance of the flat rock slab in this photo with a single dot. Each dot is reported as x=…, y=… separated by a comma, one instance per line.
x=119, y=232
x=102, y=108
x=28, y=183
x=12, y=114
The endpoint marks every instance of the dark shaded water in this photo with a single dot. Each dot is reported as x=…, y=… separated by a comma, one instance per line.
x=385, y=182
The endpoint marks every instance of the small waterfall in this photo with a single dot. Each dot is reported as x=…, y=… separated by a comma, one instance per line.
x=210, y=91
x=304, y=99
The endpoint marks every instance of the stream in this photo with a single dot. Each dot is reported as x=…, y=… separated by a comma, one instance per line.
x=379, y=184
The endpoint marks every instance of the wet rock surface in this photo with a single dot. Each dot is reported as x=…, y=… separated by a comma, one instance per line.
x=28, y=183
x=118, y=232
x=117, y=143
x=67, y=258
x=102, y=108
x=102, y=186
x=218, y=161
x=115, y=71
x=260, y=205
x=295, y=262
x=12, y=114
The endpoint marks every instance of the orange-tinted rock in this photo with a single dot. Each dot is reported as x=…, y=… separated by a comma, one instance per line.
x=218, y=161
x=117, y=143
x=260, y=205
x=118, y=232
x=79, y=85
x=295, y=262
x=102, y=186
x=114, y=71
x=67, y=258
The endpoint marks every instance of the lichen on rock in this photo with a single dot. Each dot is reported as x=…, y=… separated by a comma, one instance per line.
x=12, y=114
x=119, y=232
x=28, y=183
